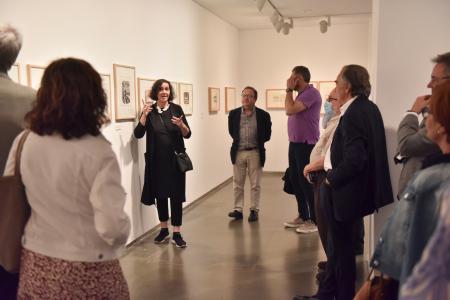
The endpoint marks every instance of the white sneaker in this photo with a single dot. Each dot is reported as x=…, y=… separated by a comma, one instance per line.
x=294, y=223
x=307, y=227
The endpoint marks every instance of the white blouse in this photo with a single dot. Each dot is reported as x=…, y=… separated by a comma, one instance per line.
x=76, y=197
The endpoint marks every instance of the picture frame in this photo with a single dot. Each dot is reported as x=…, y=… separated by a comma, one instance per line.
x=14, y=73
x=175, y=92
x=325, y=88
x=144, y=89
x=315, y=84
x=125, y=92
x=186, y=97
x=106, y=83
x=213, y=99
x=230, y=98
x=34, y=75
x=275, y=98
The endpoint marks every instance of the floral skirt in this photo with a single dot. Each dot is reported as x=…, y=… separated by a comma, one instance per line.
x=43, y=277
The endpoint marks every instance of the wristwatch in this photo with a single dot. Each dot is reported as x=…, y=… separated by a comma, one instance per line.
x=288, y=90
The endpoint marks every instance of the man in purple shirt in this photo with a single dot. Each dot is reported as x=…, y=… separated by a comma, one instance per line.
x=303, y=131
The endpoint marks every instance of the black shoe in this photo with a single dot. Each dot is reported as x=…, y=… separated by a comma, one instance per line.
x=253, y=216
x=162, y=237
x=237, y=215
x=178, y=241
x=322, y=265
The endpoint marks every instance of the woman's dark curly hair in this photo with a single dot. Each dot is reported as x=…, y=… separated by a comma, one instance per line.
x=157, y=85
x=71, y=100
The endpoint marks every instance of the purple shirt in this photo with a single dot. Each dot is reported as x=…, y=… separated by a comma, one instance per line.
x=303, y=127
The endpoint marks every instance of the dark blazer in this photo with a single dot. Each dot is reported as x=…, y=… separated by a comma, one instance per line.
x=179, y=179
x=264, y=130
x=360, y=178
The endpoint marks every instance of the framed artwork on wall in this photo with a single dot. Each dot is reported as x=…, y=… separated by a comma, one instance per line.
x=175, y=92
x=213, y=99
x=106, y=83
x=315, y=84
x=185, y=91
x=34, y=76
x=325, y=88
x=275, y=98
x=14, y=73
x=230, y=98
x=144, y=90
x=124, y=92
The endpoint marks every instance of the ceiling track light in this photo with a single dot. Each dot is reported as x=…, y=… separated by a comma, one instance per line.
x=324, y=24
x=260, y=4
x=277, y=19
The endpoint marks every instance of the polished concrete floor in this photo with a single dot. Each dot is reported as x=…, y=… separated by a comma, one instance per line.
x=229, y=259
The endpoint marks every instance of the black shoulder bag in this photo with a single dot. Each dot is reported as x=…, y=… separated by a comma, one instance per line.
x=182, y=159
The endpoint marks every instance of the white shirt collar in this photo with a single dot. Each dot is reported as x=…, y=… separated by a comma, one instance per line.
x=346, y=105
x=161, y=110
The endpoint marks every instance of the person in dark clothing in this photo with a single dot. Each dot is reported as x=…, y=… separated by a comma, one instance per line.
x=166, y=127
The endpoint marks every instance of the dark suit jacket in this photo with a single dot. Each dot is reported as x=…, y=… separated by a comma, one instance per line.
x=264, y=130
x=360, y=178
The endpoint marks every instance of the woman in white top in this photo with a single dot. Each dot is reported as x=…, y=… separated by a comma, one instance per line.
x=72, y=181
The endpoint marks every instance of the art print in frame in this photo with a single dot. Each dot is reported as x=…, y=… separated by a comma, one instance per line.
x=230, y=98
x=125, y=92
x=275, y=98
x=186, y=97
x=14, y=73
x=34, y=76
x=213, y=99
x=106, y=83
x=144, y=90
x=325, y=88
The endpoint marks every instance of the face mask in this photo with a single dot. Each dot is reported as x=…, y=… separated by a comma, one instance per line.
x=328, y=107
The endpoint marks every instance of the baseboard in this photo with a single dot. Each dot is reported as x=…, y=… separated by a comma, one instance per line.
x=186, y=209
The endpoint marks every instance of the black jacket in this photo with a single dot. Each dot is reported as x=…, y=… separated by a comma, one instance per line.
x=360, y=178
x=264, y=130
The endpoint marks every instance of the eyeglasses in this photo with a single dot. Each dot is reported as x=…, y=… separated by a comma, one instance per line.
x=248, y=96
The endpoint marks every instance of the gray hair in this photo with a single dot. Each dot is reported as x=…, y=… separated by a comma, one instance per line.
x=443, y=59
x=10, y=44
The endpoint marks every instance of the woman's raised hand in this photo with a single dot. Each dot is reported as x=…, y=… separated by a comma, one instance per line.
x=145, y=111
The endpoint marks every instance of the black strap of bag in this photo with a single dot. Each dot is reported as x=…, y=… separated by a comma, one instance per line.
x=182, y=159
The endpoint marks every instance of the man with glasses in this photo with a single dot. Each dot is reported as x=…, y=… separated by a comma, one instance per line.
x=249, y=127
x=413, y=144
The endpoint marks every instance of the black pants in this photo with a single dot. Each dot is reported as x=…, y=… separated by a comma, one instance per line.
x=298, y=158
x=8, y=284
x=176, y=210
x=339, y=282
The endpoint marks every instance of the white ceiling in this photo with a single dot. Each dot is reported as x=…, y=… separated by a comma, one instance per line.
x=243, y=14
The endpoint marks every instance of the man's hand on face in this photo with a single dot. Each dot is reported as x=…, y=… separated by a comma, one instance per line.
x=420, y=103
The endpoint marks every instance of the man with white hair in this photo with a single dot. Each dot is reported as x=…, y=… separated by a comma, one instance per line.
x=15, y=101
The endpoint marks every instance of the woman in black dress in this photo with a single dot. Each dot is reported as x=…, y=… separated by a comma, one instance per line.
x=166, y=126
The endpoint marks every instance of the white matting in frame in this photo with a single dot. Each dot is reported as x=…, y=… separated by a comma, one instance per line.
x=186, y=97
x=176, y=98
x=325, y=88
x=106, y=83
x=34, y=76
x=14, y=73
x=144, y=91
x=275, y=98
x=213, y=99
x=230, y=98
x=125, y=92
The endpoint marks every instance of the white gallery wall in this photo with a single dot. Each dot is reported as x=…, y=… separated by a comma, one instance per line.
x=267, y=59
x=177, y=40
x=407, y=34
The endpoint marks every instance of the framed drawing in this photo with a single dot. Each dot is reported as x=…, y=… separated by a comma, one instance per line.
x=124, y=92
x=106, y=83
x=144, y=90
x=315, y=84
x=175, y=92
x=230, y=98
x=14, y=73
x=325, y=88
x=185, y=91
x=34, y=76
x=275, y=98
x=213, y=99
